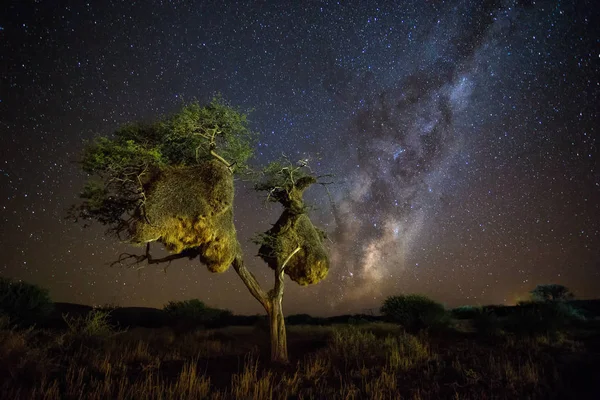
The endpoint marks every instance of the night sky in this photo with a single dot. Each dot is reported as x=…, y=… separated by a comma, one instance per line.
x=462, y=136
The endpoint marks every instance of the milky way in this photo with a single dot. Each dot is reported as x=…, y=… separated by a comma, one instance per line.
x=460, y=136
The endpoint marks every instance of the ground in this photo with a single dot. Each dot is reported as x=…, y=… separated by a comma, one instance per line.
x=341, y=361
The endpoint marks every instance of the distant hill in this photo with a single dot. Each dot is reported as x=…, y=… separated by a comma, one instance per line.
x=149, y=317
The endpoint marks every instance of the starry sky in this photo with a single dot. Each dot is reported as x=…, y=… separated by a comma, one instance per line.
x=462, y=136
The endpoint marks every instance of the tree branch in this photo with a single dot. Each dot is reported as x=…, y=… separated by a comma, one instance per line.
x=279, y=277
x=224, y=161
x=250, y=281
x=140, y=258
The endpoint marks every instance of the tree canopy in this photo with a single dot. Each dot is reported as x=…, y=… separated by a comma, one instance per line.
x=122, y=168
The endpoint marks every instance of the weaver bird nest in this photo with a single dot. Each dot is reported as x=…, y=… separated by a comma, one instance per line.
x=294, y=229
x=191, y=208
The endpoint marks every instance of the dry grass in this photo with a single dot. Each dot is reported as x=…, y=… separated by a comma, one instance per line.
x=375, y=361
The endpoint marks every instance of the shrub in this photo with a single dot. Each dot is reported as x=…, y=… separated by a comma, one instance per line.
x=415, y=312
x=24, y=303
x=95, y=324
x=551, y=292
x=195, y=312
x=466, y=312
x=532, y=318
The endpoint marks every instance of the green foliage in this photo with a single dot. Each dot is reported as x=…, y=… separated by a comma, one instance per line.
x=95, y=324
x=189, y=136
x=415, y=312
x=121, y=167
x=24, y=303
x=551, y=292
x=194, y=312
x=531, y=318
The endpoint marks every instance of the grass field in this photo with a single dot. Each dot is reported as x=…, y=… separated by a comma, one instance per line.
x=89, y=360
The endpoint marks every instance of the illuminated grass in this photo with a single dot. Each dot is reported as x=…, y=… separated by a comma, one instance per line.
x=374, y=361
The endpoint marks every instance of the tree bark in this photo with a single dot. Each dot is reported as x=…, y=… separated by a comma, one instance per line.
x=279, y=353
x=272, y=303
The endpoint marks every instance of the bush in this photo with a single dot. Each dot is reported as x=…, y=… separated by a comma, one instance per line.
x=551, y=292
x=194, y=312
x=466, y=312
x=415, y=312
x=24, y=303
x=95, y=324
x=532, y=318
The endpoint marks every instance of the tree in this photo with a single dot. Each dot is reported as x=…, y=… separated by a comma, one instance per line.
x=24, y=303
x=551, y=292
x=172, y=182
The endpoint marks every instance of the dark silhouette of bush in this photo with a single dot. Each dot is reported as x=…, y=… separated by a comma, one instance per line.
x=551, y=292
x=465, y=312
x=415, y=312
x=191, y=313
x=25, y=304
x=532, y=318
x=305, y=319
x=353, y=318
x=244, y=320
x=589, y=308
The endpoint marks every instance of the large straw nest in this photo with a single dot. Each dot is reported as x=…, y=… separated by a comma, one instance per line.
x=191, y=207
x=310, y=264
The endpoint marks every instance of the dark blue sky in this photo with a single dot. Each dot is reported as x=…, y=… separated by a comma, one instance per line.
x=462, y=137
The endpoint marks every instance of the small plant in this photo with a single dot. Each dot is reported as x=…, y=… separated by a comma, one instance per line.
x=95, y=324
x=353, y=343
x=24, y=303
x=415, y=312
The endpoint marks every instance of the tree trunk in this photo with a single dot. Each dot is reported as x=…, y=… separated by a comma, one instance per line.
x=279, y=352
x=272, y=303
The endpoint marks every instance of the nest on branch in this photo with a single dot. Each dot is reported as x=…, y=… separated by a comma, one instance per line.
x=294, y=229
x=191, y=208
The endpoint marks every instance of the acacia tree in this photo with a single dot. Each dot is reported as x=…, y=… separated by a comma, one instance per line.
x=171, y=182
